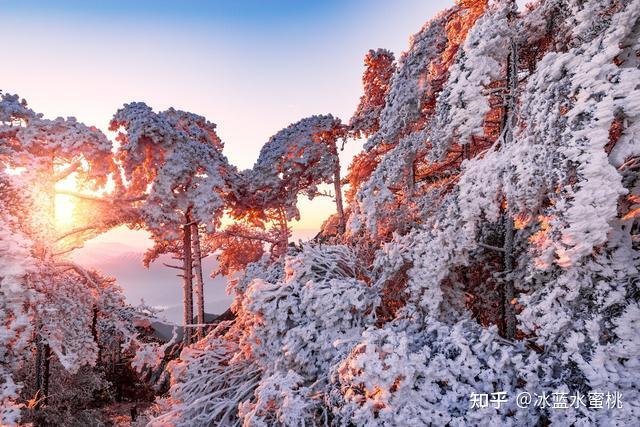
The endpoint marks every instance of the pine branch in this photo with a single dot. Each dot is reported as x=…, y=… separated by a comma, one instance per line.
x=493, y=248
x=248, y=236
x=66, y=251
x=76, y=231
x=172, y=266
x=81, y=271
x=100, y=199
x=68, y=171
x=494, y=90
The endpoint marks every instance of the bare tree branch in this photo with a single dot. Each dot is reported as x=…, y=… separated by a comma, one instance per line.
x=493, y=248
x=76, y=231
x=98, y=198
x=81, y=271
x=68, y=171
x=172, y=266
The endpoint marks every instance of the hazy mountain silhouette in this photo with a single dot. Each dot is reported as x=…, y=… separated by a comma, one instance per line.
x=158, y=286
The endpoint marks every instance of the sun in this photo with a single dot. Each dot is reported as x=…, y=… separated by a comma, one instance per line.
x=64, y=204
x=64, y=217
x=67, y=213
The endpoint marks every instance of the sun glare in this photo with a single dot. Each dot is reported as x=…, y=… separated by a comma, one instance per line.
x=64, y=211
x=65, y=204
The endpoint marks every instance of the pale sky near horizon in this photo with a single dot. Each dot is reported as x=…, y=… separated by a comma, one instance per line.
x=251, y=67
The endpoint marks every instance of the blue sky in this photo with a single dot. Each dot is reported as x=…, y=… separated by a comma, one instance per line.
x=252, y=11
x=250, y=66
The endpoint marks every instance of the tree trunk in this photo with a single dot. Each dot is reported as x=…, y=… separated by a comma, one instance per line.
x=338, y=189
x=411, y=174
x=94, y=333
x=187, y=290
x=117, y=370
x=466, y=149
x=508, y=126
x=199, y=288
x=42, y=364
x=38, y=367
x=284, y=230
x=46, y=364
x=509, y=289
x=45, y=231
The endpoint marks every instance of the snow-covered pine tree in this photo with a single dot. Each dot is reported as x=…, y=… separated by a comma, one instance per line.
x=380, y=66
x=45, y=152
x=296, y=160
x=16, y=262
x=552, y=152
x=47, y=301
x=499, y=182
x=177, y=157
x=286, y=335
x=393, y=164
